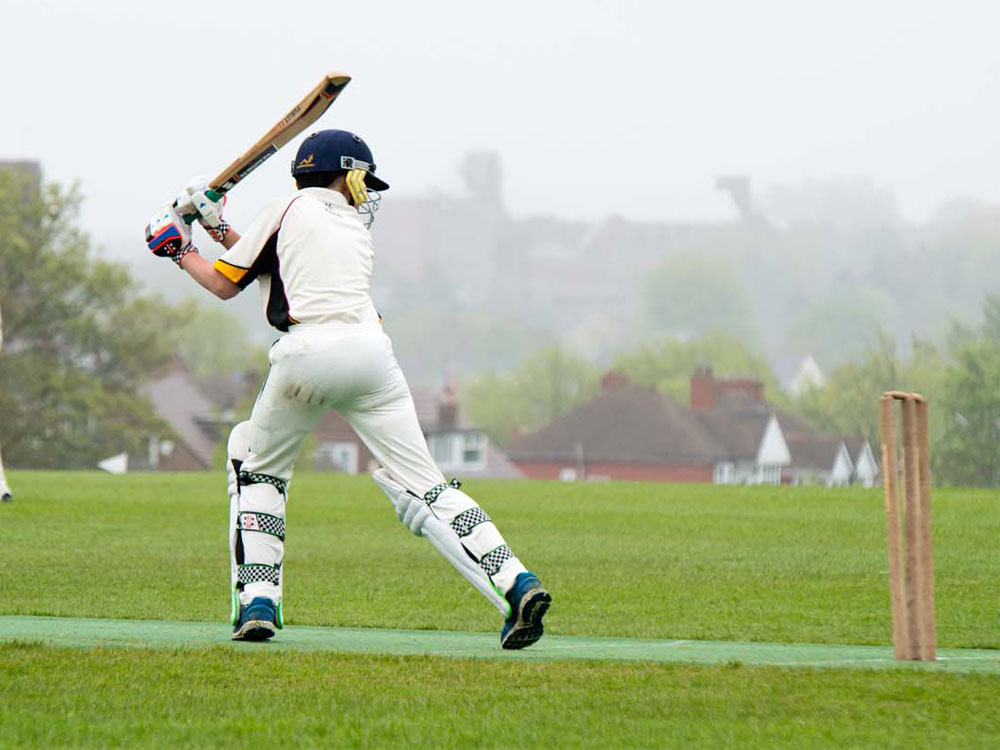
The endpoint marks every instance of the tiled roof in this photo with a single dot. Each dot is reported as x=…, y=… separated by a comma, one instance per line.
x=818, y=452
x=738, y=424
x=637, y=424
x=178, y=401
x=627, y=423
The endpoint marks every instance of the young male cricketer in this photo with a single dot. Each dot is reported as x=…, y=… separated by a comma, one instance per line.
x=312, y=256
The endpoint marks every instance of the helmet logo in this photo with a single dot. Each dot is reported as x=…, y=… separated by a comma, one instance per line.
x=307, y=162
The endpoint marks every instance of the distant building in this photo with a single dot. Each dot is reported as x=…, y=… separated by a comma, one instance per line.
x=577, y=279
x=29, y=172
x=461, y=449
x=457, y=448
x=193, y=418
x=729, y=434
x=201, y=411
x=809, y=375
x=866, y=466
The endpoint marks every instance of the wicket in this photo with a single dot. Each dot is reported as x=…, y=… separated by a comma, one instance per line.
x=911, y=559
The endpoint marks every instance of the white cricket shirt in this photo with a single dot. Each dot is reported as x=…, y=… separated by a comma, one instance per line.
x=313, y=258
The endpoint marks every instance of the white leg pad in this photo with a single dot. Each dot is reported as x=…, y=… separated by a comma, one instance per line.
x=256, y=526
x=418, y=518
x=479, y=535
x=261, y=505
x=238, y=449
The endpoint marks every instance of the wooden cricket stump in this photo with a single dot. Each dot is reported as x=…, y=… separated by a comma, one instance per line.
x=908, y=529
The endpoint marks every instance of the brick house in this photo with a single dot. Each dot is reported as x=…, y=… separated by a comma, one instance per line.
x=728, y=434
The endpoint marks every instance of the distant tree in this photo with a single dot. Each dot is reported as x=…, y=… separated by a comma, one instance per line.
x=668, y=363
x=476, y=341
x=497, y=403
x=848, y=403
x=547, y=385
x=215, y=341
x=79, y=340
x=836, y=327
x=689, y=295
x=968, y=452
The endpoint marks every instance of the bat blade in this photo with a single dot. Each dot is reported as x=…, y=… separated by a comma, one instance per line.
x=301, y=116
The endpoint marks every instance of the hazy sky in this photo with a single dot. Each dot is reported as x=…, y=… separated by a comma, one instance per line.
x=595, y=107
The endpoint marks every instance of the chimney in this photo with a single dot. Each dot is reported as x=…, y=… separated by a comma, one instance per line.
x=447, y=409
x=614, y=380
x=702, y=389
x=751, y=388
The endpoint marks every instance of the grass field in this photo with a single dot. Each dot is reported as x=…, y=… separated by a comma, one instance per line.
x=627, y=560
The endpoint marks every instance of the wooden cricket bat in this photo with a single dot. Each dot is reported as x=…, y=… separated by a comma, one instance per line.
x=303, y=114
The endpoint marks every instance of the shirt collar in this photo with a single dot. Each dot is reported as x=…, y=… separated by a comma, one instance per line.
x=325, y=194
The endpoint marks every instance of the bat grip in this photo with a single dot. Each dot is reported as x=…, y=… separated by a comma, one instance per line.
x=212, y=195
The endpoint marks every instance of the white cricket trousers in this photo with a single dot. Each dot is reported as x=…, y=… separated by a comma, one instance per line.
x=352, y=369
x=349, y=368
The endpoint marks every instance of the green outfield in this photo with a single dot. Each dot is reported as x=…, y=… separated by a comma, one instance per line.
x=672, y=605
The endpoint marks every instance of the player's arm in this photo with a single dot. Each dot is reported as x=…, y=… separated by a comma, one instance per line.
x=202, y=271
x=169, y=236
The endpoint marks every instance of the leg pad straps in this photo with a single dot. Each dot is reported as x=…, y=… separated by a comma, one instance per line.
x=415, y=514
x=262, y=522
x=258, y=574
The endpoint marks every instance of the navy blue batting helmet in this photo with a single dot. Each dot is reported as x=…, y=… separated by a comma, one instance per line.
x=336, y=151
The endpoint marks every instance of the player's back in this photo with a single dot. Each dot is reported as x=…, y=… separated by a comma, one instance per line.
x=325, y=260
x=313, y=257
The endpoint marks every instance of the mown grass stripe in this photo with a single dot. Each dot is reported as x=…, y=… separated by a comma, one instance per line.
x=159, y=634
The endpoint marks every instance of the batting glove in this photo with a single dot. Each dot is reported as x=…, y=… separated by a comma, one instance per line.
x=199, y=201
x=168, y=235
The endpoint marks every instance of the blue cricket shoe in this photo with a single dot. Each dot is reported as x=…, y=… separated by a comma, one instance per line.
x=528, y=604
x=258, y=620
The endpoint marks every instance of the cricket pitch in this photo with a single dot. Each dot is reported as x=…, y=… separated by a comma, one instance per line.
x=167, y=634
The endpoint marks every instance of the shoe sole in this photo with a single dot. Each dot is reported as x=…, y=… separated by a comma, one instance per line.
x=528, y=628
x=254, y=630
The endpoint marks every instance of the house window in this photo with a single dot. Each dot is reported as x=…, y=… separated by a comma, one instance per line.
x=768, y=474
x=725, y=472
x=442, y=448
x=474, y=450
x=458, y=451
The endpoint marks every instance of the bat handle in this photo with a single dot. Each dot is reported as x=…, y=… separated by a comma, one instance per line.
x=212, y=195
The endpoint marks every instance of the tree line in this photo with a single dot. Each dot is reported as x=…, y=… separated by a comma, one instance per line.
x=82, y=337
x=961, y=379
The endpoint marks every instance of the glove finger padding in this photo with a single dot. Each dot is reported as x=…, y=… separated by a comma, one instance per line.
x=209, y=211
x=167, y=235
x=184, y=205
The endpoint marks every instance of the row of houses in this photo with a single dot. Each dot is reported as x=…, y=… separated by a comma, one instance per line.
x=727, y=433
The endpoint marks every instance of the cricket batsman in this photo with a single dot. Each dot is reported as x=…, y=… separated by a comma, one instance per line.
x=312, y=256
